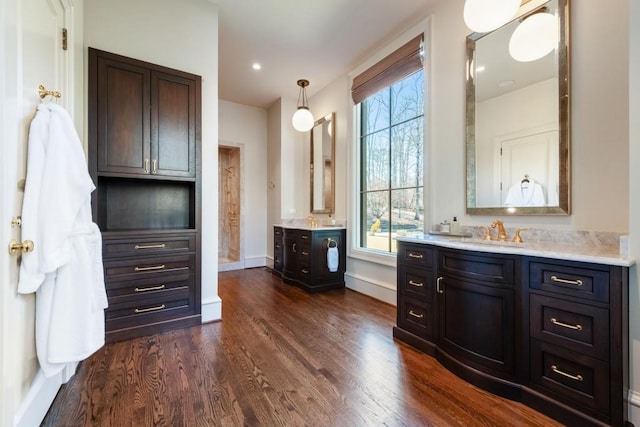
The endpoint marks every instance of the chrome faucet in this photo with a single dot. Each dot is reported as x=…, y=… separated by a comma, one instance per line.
x=502, y=235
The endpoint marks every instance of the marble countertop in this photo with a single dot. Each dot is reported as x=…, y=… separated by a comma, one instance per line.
x=308, y=227
x=583, y=253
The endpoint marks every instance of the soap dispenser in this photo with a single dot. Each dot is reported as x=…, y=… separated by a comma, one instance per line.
x=455, y=226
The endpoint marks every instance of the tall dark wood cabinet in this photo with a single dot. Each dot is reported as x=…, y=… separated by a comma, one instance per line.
x=144, y=145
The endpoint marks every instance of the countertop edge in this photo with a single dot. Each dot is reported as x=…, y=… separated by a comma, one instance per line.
x=306, y=227
x=563, y=253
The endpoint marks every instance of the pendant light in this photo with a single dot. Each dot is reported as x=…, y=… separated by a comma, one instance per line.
x=482, y=16
x=302, y=119
x=535, y=37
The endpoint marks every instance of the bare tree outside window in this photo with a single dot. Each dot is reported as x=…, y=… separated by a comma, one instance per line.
x=392, y=147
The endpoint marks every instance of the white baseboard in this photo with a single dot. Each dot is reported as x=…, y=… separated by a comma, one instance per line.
x=211, y=310
x=634, y=407
x=365, y=285
x=255, y=262
x=40, y=396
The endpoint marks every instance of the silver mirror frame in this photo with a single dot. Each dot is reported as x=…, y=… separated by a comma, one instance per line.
x=564, y=160
x=328, y=194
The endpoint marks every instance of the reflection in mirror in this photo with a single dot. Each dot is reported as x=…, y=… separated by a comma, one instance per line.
x=322, y=165
x=518, y=122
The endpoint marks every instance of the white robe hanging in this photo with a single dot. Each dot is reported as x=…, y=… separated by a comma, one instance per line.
x=65, y=269
x=525, y=194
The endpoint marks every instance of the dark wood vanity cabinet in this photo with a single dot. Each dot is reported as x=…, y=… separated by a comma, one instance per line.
x=304, y=257
x=552, y=334
x=144, y=142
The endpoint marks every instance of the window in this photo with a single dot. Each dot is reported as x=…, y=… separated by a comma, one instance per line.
x=391, y=149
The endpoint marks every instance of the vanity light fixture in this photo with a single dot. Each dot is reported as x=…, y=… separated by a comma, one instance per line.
x=302, y=119
x=482, y=16
x=535, y=37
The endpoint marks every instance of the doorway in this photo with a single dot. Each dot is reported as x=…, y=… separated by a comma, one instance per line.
x=230, y=256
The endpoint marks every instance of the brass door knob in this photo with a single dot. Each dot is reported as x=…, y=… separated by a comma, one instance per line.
x=15, y=247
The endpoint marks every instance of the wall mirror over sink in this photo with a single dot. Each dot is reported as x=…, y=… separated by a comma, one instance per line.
x=518, y=110
x=323, y=165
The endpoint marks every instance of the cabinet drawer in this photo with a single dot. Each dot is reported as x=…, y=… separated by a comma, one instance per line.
x=416, y=317
x=132, y=269
x=146, y=246
x=574, y=279
x=277, y=233
x=415, y=283
x=571, y=376
x=304, y=254
x=304, y=273
x=416, y=255
x=138, y=314
x=304, y=236
x=144, y=289
x=579, y=327
x=491, y=269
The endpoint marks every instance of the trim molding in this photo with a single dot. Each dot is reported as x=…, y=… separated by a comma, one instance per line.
x=634, y=406
x=211, y=310
x=258, y=261
x=40, y=396
x=378, y=290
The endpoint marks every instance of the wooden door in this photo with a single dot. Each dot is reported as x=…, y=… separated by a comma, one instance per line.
x=120, y=106
x=173, y=125
x=31, y=47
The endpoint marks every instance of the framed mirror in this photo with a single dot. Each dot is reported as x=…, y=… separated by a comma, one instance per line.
x=517, y=127
x=323, y=165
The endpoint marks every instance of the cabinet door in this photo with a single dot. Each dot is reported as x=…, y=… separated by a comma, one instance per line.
x=290, y=263
x=122, y=117
x=477, y=324
x=320, y=247
x=173, y=125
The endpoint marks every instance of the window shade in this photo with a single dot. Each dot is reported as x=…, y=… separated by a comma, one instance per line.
x=398, y=65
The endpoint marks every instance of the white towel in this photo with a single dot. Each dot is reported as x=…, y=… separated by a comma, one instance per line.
x=333, y=259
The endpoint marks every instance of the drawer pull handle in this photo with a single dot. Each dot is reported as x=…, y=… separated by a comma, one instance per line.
x=414, y=314
x=566, y=325
x=305, y=253
x=145, y=310
x=151, y=288
x=439, y=288
x=418, y=284
x=304, y=237
x=305, y=271
x=155, y=267
x=567, y=282
x=417, y=256
x=160, y=246
x=555, y=369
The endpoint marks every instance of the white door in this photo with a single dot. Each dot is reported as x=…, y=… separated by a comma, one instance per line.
x=530, y=156
x=32, y=55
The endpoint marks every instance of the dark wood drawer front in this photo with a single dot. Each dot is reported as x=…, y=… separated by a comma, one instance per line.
x=488, y=269
x=588, y=283
x=277, y=233
x=415, y=255
x=415, y=283
x=143, y=289
x=571, y=376
x=578, y=327
x=130, y=315
x=148, y=246
x=304, y=254
x=304, y=272
x=304, y=237
x=416, y=317
x=132, y=269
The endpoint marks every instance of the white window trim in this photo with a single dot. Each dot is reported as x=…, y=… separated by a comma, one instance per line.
x=353, y=152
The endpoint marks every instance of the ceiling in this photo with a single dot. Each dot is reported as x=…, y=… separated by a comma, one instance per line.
x=318, y=40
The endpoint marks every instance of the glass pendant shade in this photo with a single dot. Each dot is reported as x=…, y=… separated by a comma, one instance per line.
x=534, y=38
x=302, y=119
x=482, y=16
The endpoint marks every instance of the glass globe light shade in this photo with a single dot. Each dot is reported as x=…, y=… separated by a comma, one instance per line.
x=534, y=38
x=483, y=16
x=302, y=119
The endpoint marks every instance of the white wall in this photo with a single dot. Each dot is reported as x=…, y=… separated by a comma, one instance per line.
x=634, y=206
x=246, y=127
x=181, y=35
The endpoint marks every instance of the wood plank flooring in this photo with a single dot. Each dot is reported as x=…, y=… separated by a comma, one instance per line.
x=280, y=357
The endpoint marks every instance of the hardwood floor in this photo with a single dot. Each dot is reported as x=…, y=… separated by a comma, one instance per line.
x=280, y=357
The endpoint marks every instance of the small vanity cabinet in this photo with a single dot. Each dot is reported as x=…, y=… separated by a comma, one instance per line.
x=550, y=333
x=300, y=257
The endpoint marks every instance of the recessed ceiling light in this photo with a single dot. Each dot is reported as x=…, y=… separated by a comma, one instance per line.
x=256, y=66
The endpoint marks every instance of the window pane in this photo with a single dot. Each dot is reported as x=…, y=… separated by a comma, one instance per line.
x=407, y=211
x=376, y=206
x=375, y=112
x=406, y=154
x=407, y=98
x=376, y=162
